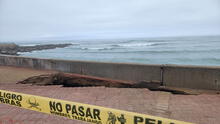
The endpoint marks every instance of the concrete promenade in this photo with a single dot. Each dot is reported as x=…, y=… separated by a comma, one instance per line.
x=200, y=109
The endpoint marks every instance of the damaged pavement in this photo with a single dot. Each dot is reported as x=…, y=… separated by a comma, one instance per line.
x=77, y=80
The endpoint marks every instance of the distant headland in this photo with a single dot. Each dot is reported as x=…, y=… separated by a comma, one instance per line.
x=13, y=49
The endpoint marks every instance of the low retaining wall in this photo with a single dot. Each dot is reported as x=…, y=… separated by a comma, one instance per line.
x=130, y=72
x=197, y=77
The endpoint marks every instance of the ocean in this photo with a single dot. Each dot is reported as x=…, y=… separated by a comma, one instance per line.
x=197, y=50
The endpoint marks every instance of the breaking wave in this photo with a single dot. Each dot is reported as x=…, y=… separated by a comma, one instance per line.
x=182, y=50
x=118, y=46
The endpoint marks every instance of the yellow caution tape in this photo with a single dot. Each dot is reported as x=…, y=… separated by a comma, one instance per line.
x=78, y=111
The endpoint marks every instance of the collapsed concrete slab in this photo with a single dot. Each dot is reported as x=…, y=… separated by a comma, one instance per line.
x=77, y=80
x=74, y=80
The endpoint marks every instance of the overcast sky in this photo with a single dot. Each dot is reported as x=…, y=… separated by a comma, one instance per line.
x=80, y=19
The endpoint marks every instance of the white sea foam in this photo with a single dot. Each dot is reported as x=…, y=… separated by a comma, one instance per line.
x=135, y=44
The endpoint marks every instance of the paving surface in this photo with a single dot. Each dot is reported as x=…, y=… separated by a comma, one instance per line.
x=201, y=109
x=15, y=74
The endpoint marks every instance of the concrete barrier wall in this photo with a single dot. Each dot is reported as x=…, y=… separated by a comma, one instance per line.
x=130, y=72
x=197, y=77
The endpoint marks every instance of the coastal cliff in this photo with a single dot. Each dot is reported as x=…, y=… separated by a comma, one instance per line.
x=13, y=49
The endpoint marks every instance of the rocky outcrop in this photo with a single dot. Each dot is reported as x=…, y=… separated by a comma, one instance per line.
x=10, y=49
x=13, y=49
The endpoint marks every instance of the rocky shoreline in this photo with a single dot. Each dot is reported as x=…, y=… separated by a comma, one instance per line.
x=13, y=49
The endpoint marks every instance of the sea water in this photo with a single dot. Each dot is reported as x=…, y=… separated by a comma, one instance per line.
x=197, y=50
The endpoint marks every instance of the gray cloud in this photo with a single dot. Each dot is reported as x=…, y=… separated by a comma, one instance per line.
x=40, y=19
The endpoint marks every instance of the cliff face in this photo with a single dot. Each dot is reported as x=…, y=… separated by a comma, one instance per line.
x=13, y=49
